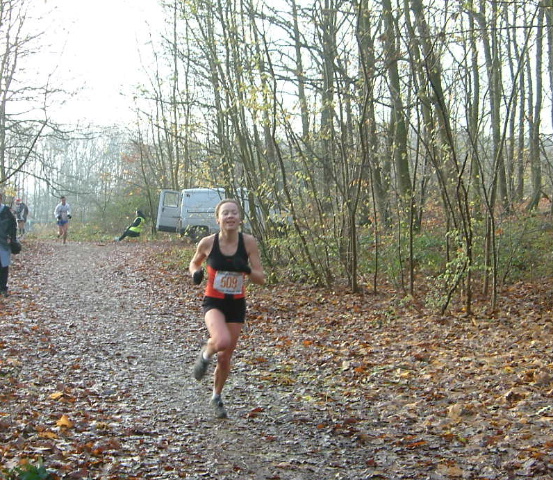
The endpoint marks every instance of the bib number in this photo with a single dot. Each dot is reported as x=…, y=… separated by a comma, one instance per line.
x=231, y=283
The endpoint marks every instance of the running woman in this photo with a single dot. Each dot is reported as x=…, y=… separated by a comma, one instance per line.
x=231, y=257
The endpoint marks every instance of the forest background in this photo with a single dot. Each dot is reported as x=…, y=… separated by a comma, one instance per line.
x=404, y=143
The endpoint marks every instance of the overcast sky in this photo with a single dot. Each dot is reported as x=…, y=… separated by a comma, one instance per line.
x=95, y=46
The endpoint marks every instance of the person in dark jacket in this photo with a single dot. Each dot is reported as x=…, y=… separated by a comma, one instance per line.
x=8, y=233
x=135, y=228
x=21, y=213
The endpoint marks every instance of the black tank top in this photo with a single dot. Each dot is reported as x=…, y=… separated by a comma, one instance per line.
x=218, y=262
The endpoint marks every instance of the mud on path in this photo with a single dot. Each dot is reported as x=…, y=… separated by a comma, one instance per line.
x=94, y=333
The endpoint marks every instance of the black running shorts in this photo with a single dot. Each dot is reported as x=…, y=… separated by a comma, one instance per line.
x=233, y=309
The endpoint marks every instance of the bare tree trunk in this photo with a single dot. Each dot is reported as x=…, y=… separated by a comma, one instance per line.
x=369, y=139
x=399, y=139
x=328, y=142
x=450, y=170
x=474, y=118
x=300, y=74
x=491, y=52
x=548, y=4
x=534, y=122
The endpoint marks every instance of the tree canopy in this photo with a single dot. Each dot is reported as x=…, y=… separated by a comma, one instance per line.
x=364, y=124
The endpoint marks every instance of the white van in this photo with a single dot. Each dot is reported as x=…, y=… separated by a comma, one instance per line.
x=190, y=212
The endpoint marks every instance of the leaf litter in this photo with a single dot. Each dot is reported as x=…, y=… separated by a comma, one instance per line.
x=96, y=352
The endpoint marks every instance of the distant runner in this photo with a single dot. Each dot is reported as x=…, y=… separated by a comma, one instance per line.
x=21, y=213
x=63, y=215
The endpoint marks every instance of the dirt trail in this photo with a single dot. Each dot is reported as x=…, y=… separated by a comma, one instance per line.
x=119, y=345
x=96, y=348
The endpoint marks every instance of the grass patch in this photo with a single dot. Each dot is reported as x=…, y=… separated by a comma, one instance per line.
x=27, y=471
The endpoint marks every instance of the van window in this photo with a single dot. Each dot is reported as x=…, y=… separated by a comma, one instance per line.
x=171, y=199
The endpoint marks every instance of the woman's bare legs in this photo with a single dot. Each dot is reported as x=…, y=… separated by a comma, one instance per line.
x=223, y=340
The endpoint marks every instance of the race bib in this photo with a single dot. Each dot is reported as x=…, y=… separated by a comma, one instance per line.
x=231, y=283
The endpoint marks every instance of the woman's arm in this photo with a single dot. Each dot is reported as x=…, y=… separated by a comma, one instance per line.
x=202, y=251
x=257, y=275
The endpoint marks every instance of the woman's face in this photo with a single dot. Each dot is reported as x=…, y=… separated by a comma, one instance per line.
x=228, y=216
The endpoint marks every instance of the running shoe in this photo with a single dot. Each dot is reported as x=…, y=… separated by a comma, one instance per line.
x=218, y=407
x=200, y=367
